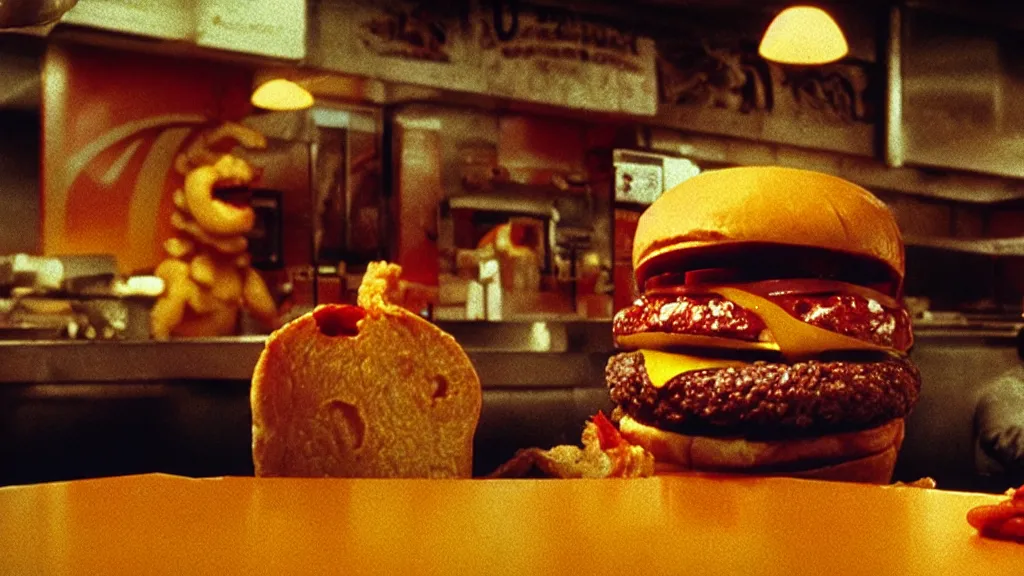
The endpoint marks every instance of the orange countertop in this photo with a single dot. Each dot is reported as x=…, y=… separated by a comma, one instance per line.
x=158, y=524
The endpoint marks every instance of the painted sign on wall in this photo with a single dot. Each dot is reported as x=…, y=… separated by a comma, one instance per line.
x=546, y=56
x=112, y=124
x=713, y=80
x=275, y=28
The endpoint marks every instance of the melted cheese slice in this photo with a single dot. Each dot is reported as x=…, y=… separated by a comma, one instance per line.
x=660, y=340
x=795, y=338
x=664, y=366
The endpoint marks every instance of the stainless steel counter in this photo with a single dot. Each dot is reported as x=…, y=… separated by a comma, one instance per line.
x=85, y=409
x=534, y=354
x=528, y=354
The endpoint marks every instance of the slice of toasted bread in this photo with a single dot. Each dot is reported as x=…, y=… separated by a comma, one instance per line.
x=368, y=391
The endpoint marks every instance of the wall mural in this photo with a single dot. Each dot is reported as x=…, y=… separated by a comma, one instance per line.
x=108, y=177
x=714, y=78
x=413, y=32
x=837, y=91
x=717, y=85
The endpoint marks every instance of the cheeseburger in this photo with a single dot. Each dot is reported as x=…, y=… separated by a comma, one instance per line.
x=770, y=337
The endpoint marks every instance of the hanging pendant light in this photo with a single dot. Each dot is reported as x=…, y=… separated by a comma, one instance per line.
x=803, y=35
x=281, y=94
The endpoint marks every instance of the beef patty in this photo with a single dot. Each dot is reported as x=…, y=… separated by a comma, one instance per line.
x=767, y=400
x=711, y=315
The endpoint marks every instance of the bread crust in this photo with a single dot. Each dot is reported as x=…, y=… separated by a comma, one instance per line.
x=399, y=398
x=768, y=205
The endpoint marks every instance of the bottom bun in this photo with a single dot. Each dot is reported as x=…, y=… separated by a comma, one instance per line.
x=862, y=456
x=873, y=469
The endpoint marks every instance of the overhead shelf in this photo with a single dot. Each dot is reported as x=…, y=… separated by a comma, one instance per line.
x=982, y=246
x=935, y=183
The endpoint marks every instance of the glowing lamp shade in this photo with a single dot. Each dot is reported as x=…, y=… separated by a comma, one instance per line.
x=803, y=35
x=281, y=94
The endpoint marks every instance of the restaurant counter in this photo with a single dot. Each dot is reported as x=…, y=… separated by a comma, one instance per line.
x=71, y=409
x=681, y=524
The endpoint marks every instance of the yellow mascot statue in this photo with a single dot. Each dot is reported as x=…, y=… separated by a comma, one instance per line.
x=207, y=273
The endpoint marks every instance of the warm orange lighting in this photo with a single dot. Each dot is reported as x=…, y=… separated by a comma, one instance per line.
x=281, y=94
x=803, y=35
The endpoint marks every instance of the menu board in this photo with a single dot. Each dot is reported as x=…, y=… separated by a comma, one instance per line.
x=169, y=19
x=275, y=28
x=392, y=41
x=556, y=58
x=566, y=60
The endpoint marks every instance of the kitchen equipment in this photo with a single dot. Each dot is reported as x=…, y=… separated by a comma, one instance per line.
x=76, y=297
x=266, y=241
x=464, y=220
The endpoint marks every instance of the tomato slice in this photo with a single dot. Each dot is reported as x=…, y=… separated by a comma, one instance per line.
x=1003, y=521
x=607, y=435
x=1012, y=529
x=697, y=282
x=988, y=516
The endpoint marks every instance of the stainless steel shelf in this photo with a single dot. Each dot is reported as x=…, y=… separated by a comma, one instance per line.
x=233, y=359
x=982, y=246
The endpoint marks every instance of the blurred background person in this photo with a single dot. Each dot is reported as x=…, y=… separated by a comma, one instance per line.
x=999, y=428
